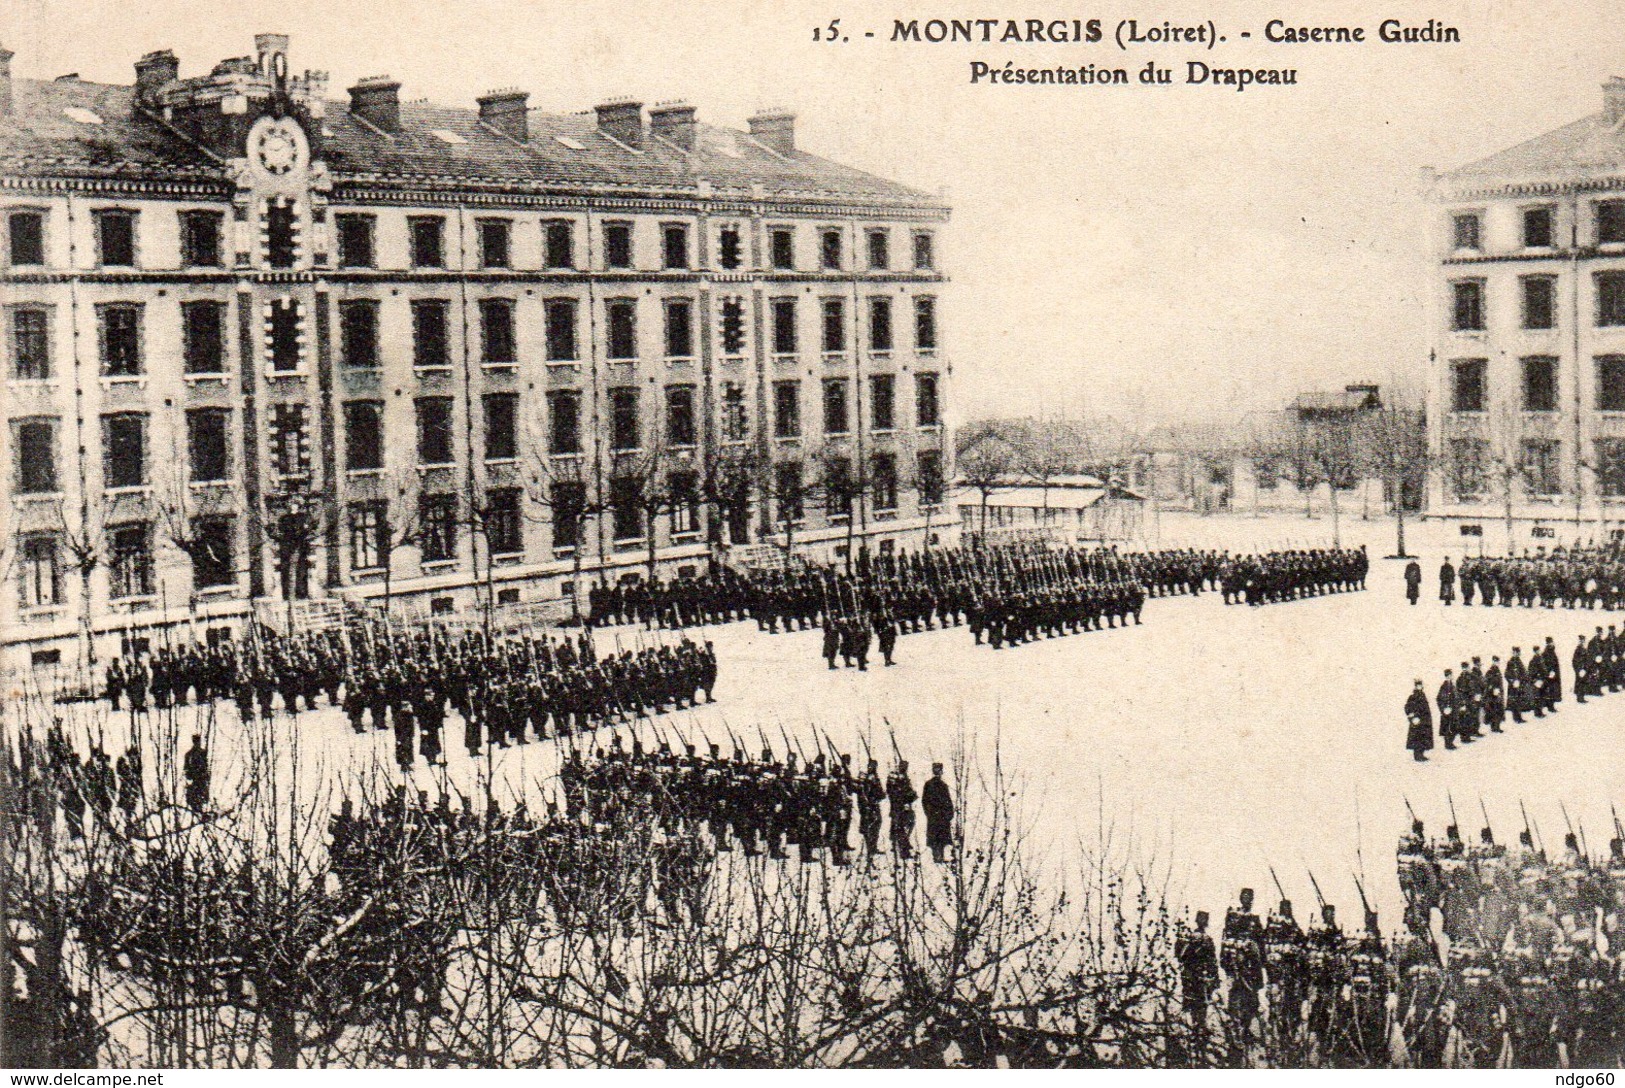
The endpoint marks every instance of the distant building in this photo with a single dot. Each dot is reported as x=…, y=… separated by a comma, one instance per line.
x=262, y=348
x=1528, y=375
x=1073, y=508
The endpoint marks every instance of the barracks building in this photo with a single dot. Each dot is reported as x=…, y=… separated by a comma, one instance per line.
x=267, y=351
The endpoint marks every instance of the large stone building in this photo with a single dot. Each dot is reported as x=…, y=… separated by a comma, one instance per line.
x=1528, y=378
x=262, y=346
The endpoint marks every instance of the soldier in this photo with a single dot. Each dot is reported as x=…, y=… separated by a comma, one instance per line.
x=1447, y=582
x=1413, y=581
x=1198, y=971
x=1328, y=973
x=939, y=813
x=886, y=633
x=115, y=682
x=1446, y=699
x=129, y=770
x=1370, y=983
x=832, y=641
x=870, y=794
x=1285, y=967
x=1519, y=697
x=1581, y=662
x=195, y=767
x=1494, y=696
x=1419, y=724
x=1241, y=954
x=900, y=796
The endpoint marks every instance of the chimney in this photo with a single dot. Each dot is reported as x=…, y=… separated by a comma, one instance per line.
x=504, y=111
x=1613, y=100
x=674, y=123
x=5, y=81
x=775, y=129
x=153, y=73
x=622, y=119
x=377, y=100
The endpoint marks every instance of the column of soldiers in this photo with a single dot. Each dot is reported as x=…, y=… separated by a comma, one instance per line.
x=1279, y=576
x=718, y=596
x=51, y=777
x=1506, y=960
x=506, y=689
x=759, y=806
x=1580, y=577
x=1475, y=698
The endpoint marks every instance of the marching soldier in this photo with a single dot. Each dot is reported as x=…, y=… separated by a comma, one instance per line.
x=901, y=797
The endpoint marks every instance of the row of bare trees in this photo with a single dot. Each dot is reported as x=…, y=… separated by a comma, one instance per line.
x=228, y=938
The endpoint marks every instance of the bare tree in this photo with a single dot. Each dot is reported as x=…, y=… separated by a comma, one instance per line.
x=731, y=474
x=1399, y=454
x=561, y=486
x=985, y=465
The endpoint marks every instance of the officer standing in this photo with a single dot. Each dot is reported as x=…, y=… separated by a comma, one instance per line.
x=195, y=767
x=939, y=813
x=1419, y=719
x=1413, y=581
x=1447, y=582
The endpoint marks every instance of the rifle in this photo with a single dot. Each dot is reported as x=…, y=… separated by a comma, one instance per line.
x=1619, y=829
x=1365, y=904
x=1526, y=829
x=1313, y=883
x=1454, y=822
x=1561, y=807
x=1410, y=810
x=897, y=753
x=1279, y=890
x=1486, y=813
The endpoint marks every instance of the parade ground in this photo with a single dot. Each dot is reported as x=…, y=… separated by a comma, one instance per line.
x=1208, y=744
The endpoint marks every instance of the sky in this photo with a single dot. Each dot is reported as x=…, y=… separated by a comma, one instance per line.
x=1146, y=253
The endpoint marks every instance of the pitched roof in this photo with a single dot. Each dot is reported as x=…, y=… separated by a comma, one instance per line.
x=564, y=150
x=1588, y=147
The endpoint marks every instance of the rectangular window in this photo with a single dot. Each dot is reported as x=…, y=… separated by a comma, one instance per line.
x=679, y=328
x=838, y=488
x=835, y=414
x=929, y=477
x=131, y=569
x=203, y=337
x=784, y=326
x=363, y=435
x=683, y=497
x=927, y=408
x=1611, y=467
x=1610, y=222
x=568, y=500
x=504, y=528
x=879, y=250
x=880, y=338
x=437, y=527
x=1610, y=298
x=1465, y=228
x=674, y=245
x=501, y=426
x=356, y=241
x=624, y=433
x=286, y=350
x=124, y=450
x=1539, y=383
x=1467, y=305
x=431, y=342
x=730, y=249
x=495, y=247
x=925, y=324
x=833, y=311
x=497, y=341
x=34, y=441
x=290, y=441
x=1539, y=302
x=782, y=248
x=559, y=326
x=564, y=422
x=621, y=315
x=882, y=402
x=1537, y=228
x=787, y=409
x=200, y=239
x=1468, y=457
x=369, y=530
x=680, y=428
x=214, y=562
x=787, y=490
x=618, y=245
x=829, y=249
x=925, y=257
x=120, y=339
x=625, y=509
x=1468, y=392
x=280, y=234
x=1539, y=465
x=434, y=431
x=39, y=571
x=25, y=235
x=30, y=344
x=733, y=326
x=428, y=241
x=1611, y=383
x=883, y=484
x=559, y=238
x=115, y=239
x=735, y=417
x=208, y=444
x=358, y=333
